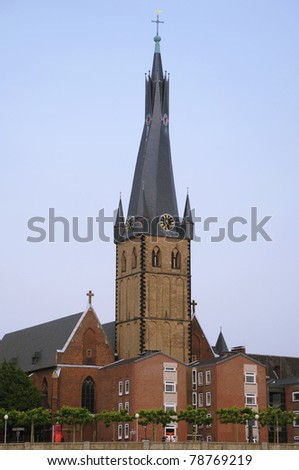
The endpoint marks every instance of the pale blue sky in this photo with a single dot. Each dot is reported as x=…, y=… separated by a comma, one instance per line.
x=71, y=116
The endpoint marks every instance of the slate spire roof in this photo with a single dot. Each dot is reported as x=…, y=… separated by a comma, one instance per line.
x=221, y=347
x=153, y=193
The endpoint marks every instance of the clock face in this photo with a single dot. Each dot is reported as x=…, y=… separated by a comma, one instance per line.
x=166, y=222
x=130, y=223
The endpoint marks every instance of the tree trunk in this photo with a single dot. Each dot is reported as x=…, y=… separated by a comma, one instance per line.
x=32, y=432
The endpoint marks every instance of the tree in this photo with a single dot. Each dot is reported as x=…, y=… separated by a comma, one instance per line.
x=196, y=417
x=112, y=417
x=236, y=416
x=276, y=417
x=38, y=417
x=74, y=417
x=16, y=389
x=156, y=417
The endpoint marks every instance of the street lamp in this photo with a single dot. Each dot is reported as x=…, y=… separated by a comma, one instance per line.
x=257, y=424
x=5, y=427
x=136, y=417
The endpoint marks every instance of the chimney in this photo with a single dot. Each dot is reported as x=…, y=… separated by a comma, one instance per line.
x=238, y=350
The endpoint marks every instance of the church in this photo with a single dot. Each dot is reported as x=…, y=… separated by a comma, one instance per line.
x=153, y=353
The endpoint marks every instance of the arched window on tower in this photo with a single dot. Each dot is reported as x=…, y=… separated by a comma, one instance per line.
x=88, y=395
x=123, y=262
x=156, y=257
x=175, y=259
x=134, y=258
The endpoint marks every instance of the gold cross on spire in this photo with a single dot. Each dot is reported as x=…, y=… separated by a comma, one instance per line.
x=90, y=295
x=158, y=12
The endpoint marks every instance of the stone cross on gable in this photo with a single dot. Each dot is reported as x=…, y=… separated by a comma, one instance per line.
x=193, y=305
x=90, y=295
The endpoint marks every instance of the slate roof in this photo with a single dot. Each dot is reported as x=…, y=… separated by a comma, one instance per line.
x=219, y=360
x=284, y=382
x=109, y=330
x=35, y=348
x=278, y=367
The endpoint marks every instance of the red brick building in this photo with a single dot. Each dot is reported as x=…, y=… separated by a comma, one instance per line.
x=150, y=382
x=225, y=382
x=63, y=358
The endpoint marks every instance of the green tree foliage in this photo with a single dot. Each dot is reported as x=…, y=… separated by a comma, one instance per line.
x=156, y=417
x=38, y=417
x=276, y=417
x=16, y=389
x=235, y=415
x=113, y=417
x=27, y=419
x=74, y=417
x=196, y=417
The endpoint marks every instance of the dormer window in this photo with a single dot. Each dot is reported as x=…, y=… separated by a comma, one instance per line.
x=35, y=357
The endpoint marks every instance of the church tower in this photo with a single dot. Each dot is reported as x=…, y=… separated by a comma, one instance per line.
x=153, y=278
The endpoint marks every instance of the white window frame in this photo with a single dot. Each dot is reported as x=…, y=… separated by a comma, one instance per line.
x=208, y=377
x=120, y=388
x=209, y=416
x=169, y=383
x=208, y=398
x=250, y=399
x=127, y=430
x=127, y=387
x=120, y=432
x=194, y=399
x=200, y=400
x=296, y=425
x=294, y=395
x=170, y=368
x=120, y=406
x=169, y=406
x=209, y=438
x=252, y=375
x=194, y=373
x=127, y=406
x=200, y=378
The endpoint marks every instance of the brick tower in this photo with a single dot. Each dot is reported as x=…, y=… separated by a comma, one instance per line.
x=153, y=279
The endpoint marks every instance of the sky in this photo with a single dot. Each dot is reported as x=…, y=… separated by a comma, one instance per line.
x=71, y=117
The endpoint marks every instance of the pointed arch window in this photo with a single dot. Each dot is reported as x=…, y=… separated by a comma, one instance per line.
x=45, y=394
x=123, y=262
x=134, y=258
x=175, y=259
x=156, y=257
x=88, y=395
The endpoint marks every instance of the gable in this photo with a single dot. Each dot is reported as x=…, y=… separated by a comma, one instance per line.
x=87, y=344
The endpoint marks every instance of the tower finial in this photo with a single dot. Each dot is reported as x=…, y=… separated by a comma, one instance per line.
x=157, y=21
